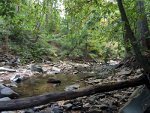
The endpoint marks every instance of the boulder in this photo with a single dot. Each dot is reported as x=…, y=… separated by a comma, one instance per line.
x=8, y=92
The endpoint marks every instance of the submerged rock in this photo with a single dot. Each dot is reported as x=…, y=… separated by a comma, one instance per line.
x=13, y=84
x=53, y=81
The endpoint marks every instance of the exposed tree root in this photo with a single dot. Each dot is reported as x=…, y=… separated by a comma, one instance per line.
x=131, y=61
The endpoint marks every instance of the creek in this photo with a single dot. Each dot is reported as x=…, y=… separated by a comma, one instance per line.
x=38, y=85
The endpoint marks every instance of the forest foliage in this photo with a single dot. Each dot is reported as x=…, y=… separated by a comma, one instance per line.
x=86, y=29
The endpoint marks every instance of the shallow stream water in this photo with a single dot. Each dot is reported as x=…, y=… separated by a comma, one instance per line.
x=38, y=85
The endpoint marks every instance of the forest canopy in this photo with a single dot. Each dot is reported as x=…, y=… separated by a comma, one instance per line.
x=86, y=29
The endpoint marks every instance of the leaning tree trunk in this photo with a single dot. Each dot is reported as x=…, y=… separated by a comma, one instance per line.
x=142, y=25
x=128, y=49
x=139, y=57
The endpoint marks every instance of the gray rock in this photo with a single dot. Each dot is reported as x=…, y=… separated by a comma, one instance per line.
x=46, y=110
x=2, y=63
x=95, y=81
x=139, y=71
x=56, y=69
x=36, y=68
x=125, y=72
x=76, y=107
x=68, y=106
x=92, y=99
x=8, y=92
x=1, y=81
x=5, y=99
x=14, y=62
x=48, y=62
x=94, y=111
x=56, y=109
x=72, y=87
x=13, y=84
x=29, y=111
x=17, y=78
x=103, y=106
x=112, y=62
x=2, y=86
x=8, y=112
x=86, y=105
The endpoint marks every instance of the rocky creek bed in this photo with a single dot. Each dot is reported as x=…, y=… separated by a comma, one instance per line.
x=33, y=79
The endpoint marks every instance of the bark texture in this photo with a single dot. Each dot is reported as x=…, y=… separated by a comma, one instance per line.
x=142, y=24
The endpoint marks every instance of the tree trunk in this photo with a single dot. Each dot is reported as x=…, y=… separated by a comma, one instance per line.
x=128, y=49
x=17, y=9
x=29, y=102
x=139, y=57
x=142, y=25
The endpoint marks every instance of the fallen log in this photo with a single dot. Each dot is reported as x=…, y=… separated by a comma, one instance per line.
x=29, y=102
